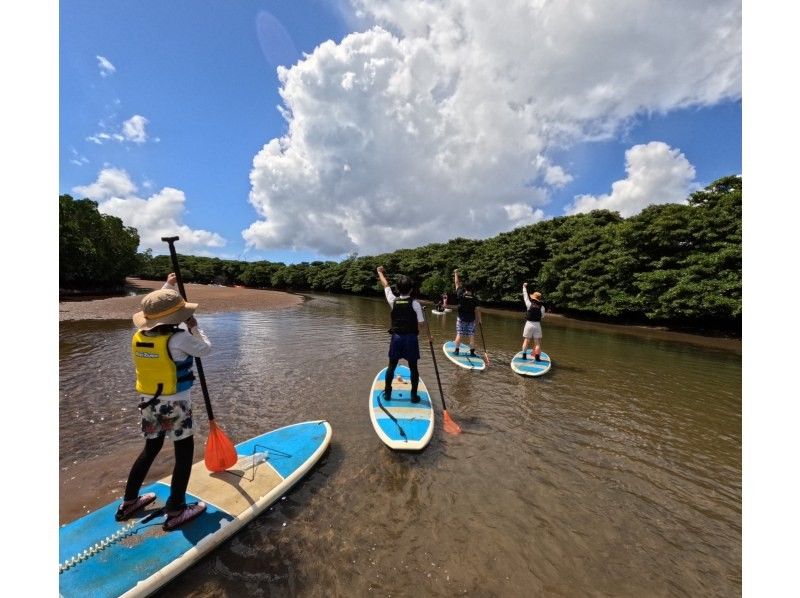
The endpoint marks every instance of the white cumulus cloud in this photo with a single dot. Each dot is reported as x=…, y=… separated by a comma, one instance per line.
x=440, y=120
x=106, y=68
x=111, y=182
x=135, y=128
x=520, y=214
x=159, y=215
x=656, y=174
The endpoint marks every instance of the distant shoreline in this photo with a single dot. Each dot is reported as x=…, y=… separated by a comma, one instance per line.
x=211, y=298
x=639, y=330
x=214, y=298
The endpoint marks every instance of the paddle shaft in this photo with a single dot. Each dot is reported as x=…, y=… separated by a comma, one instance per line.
x=485, y=352
x=433, y=356
x=174, y=256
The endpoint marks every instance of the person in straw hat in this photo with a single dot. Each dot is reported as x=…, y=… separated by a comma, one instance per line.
x=533, y=319
x=163, y=354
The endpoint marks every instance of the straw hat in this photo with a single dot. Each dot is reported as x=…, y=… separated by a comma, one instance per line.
x=536, y=296
x=163, y=307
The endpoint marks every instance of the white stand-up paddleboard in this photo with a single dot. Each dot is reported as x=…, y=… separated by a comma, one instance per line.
x=436, y=312
x=529, y=366
x=399, y=423
x=99, y=556
x=463, y=359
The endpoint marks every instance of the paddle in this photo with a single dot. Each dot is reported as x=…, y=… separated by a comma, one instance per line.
x=392, y=417
x=488, y=361
x=220, y=452
x=450, y=426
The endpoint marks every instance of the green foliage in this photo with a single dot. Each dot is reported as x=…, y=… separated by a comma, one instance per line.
x=95, y=250
x=434, y=285
x=679, y=264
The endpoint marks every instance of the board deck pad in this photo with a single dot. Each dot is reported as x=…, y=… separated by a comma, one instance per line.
x=529, y=366
x=399, y=423
x=463, y=359
x=140, y=557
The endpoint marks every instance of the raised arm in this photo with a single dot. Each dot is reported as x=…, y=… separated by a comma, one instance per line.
x=456, y=280
x=382, y=277
x=172, y=282
x=525, y=295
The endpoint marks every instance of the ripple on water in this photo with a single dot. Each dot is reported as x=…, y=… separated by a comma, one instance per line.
x=617, y=473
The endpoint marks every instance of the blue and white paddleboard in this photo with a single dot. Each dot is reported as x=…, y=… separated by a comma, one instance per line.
x=529, y=366
x=399, y=423
x=101, y=557
x=463, y=359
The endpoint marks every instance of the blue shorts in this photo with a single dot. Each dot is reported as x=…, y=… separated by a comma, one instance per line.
x=465, y=328
x=404, y=346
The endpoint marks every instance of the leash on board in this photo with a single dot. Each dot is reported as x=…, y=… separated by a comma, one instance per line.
x=123, y=532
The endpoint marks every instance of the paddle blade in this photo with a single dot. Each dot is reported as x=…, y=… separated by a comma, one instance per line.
x=450, y=426
x=220, y=452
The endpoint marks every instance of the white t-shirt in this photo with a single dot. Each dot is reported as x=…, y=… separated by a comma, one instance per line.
x=391, y=298
x=527, y=300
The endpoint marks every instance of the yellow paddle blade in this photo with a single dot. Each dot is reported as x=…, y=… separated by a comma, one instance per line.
x=220, y=452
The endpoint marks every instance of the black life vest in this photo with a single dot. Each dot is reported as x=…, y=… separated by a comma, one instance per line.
x=534, y=313
x=466, y=306
x=404, y=318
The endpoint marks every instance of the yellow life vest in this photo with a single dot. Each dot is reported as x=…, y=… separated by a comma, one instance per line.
x=155, y=366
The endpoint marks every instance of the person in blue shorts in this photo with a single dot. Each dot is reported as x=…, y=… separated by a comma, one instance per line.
x=406, y=319
x=469, y=314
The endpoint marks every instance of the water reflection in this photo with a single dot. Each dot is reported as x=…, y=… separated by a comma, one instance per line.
x=619, y=472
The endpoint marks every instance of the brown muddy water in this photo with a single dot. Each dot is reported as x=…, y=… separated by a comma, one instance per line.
x=616, y=474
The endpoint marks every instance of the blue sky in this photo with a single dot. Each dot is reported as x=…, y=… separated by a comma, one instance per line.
x=51, y=68
x=395, y=131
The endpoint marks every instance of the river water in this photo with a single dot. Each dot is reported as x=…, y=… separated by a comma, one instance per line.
x=618, y=473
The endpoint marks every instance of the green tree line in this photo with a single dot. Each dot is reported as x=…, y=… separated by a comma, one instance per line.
x=96, y=251
x=671, y=264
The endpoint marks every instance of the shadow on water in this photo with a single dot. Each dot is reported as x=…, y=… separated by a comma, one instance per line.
x=617, y=473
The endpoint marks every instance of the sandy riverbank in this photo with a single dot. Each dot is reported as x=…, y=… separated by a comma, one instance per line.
x=211, y=299
x=219, y=298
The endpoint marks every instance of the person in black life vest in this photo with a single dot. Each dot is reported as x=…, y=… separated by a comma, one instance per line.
x=407, y=317
x=163, y=355
x=469, y=314
x=533, y=326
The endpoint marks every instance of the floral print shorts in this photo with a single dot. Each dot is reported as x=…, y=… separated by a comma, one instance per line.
x=173, y=418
